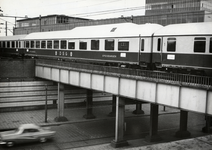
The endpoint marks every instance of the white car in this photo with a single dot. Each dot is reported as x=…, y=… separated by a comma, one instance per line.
x=26, y=133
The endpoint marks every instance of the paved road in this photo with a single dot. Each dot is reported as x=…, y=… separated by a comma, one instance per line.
x=102, y=130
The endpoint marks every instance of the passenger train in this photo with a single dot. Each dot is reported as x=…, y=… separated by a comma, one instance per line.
x=183, y=48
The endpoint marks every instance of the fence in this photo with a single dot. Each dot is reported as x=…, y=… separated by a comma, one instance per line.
x=154, y=76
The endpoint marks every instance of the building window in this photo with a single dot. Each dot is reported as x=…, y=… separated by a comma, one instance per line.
x=109, y=44
x=56, y=44
x=43, y=44
x=83, y=45
x=94, y=44
x=210, y=47
x=49, y=44
x=159, y=44
x=71, y=45
x=199, y=44
x=63, y=44
x=123, y=45
x=171, y=44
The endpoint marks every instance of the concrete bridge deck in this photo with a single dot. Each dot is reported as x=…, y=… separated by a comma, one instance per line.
x=184, y=92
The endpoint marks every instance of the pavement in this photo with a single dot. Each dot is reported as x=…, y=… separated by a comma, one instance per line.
x=198, y=141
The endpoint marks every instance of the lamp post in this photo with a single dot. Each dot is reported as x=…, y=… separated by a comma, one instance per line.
x=46, y=104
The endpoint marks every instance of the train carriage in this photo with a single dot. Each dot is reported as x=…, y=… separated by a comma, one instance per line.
x=185, y=48
x=12, y=45
x=181, y=48
x=113, y=44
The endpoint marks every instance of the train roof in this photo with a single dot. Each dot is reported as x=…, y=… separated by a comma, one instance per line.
x=99, y=31
x=12, y=38
x=204, y=28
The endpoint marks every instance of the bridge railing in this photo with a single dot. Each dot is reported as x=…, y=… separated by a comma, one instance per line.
x=156, y=76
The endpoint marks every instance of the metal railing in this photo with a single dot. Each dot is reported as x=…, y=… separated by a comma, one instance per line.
x=153, y=76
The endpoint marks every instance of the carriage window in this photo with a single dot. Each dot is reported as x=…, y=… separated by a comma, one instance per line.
x=142, y=44
x=13, y=44
x=71, y=45
x=63, y=45
x=56, y=44
x=17, y=44
x=210, y=48
x=8, y=44
x=199, y=44
x=37, y=44
x=171, y=44
x=159, y=44
x=123, y=46
x=83, y=45
x=32, y=43
x=49, y=44
x=109, y=44
x=94, y=44
x=43, y=44
x=27, y=44
x=4, y=44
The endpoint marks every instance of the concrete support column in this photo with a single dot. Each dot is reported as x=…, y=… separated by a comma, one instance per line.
x=89, y=105
x=183, y=132
x=208, y=124
x=138, y=108
x=119, y=128
x=153, y=134
x=113, y=113
x=60, y=107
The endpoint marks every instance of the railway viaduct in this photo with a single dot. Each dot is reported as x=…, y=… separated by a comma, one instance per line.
x=187, y=93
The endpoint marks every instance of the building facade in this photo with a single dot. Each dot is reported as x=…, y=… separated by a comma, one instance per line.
x=163, y=12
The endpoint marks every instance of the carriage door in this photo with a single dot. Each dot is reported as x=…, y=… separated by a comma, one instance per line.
x=141, y=59
x=158, y=55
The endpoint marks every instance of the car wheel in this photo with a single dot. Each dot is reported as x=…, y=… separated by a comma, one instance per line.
x=43, y=140
x=10, y=144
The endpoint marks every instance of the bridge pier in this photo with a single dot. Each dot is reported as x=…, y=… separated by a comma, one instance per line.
x=208, y=124
x=113, y=112
x=60, y=106
x=119, y=128
x=183, y=132
x=138, y=108
x=153, y=134
x=89, y=105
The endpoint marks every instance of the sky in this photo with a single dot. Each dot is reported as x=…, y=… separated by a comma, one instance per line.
x=92, y=9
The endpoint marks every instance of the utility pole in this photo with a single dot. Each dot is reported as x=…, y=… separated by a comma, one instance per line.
x=40, y=22
x=6, y=28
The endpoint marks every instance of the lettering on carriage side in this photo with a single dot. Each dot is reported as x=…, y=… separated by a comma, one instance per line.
x=32, y=52
x=111, y=56
x=170, y=57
